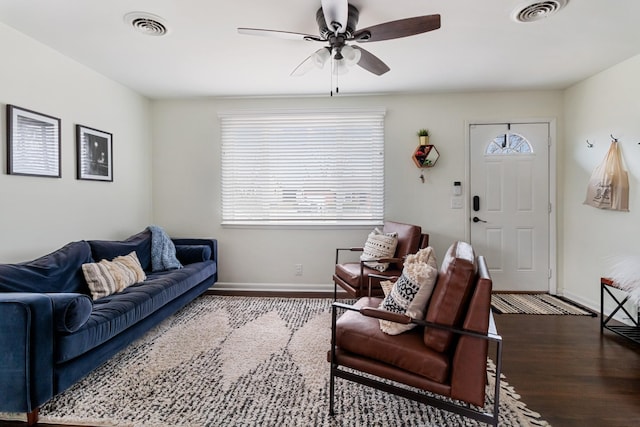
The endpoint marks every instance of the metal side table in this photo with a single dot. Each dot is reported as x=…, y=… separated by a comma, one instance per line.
x=627, y=331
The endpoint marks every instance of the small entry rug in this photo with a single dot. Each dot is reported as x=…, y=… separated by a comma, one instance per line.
x=242, y=361
x=535, y=304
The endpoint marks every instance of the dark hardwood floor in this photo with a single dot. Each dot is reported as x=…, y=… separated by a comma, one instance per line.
x=567, y=371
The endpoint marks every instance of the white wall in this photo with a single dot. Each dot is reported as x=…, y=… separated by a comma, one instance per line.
x=607, y=103
x=38, y=215
x=186, y=177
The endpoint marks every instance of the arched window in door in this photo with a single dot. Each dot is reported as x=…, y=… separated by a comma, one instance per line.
x=509, y=143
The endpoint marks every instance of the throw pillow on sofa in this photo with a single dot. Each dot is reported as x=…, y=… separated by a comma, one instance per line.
x=70, y=310
x=379, y=245
x=411, y=292
x=188, y=254
x=108, y=277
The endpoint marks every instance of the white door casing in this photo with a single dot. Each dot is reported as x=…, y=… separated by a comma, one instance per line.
x=509, y=173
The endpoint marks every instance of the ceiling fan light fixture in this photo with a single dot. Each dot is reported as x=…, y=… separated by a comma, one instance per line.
x=351, y=56
x=320, y=57
x=538, y=10
x=339, y=67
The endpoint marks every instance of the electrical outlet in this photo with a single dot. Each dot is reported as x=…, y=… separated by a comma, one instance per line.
x=298, y=269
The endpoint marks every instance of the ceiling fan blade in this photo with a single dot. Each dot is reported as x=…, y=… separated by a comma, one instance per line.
x=315, y=60
x=371, y=63
x=336, y=12
x=278, y=34
x=398, y=29
x=303, y=68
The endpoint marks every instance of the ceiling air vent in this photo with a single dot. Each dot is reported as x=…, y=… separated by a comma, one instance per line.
x=539, y=10
x=146, y=23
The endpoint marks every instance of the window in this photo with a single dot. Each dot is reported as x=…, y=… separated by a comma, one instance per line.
x=509, y=143
x=303, y=167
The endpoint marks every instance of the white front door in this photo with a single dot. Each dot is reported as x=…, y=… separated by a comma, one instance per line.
x=509, y=188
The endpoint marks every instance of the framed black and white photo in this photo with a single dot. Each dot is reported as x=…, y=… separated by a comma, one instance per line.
x=95, y=155
x=33, y=143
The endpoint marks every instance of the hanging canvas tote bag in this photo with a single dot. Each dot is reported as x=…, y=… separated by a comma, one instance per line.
x=609, y=184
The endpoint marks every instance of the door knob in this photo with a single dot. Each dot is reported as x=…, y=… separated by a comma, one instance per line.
x=476, y=219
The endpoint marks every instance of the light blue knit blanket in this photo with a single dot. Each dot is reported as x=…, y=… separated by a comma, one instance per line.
x=163, y=251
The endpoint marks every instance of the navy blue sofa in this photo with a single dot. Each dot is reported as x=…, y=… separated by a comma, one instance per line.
x=52, y=333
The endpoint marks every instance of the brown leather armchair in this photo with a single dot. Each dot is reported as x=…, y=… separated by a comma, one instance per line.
x=353, y=277
x=445, y=354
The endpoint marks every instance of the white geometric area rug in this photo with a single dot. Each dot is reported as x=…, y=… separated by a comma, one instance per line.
x=239, y=361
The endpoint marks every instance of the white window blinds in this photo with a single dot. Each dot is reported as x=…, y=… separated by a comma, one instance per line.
x=303, y=167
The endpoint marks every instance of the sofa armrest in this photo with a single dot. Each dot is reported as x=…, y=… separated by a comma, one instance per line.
x=212, y=243
x=26, y=359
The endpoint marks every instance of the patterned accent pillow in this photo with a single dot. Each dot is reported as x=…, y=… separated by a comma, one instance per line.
x=108, y=277
x=387, y=286
x=379, y=245
x=411, y=292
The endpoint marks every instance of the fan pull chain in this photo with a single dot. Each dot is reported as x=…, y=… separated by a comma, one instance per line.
x=331, y=73
x=337, y=28
x=337, y=77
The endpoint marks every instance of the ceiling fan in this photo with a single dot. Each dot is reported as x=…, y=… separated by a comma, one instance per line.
x=337, y=20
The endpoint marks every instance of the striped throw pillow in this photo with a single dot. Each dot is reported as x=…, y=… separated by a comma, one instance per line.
x=132, y=265
x=108, y=277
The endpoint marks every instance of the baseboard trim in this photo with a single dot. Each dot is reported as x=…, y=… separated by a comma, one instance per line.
x=291, y=290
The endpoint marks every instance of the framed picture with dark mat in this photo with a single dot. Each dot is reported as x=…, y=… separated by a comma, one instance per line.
x=94, y=149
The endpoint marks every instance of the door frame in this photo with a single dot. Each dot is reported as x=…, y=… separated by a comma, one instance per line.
x=553, y=147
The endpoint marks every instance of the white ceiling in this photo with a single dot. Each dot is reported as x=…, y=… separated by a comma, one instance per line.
x=479, y=47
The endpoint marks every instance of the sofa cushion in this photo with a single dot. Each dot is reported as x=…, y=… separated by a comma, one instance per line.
x=188, y=254
x=70, y=310
x=58, y=271
x=410, y=293
x=379, y=245
x=108, y=277
x=115, y=313
x=109, y=249
x=361, y=335
x=451, y=295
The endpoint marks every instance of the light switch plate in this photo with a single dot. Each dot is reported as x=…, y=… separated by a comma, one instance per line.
x=456, y=202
